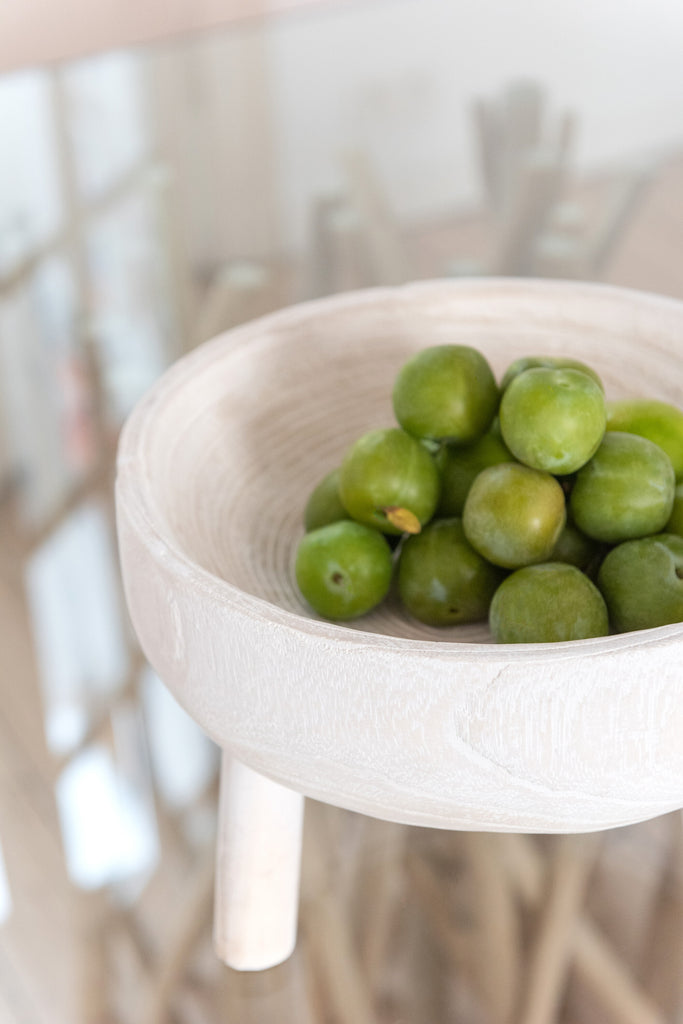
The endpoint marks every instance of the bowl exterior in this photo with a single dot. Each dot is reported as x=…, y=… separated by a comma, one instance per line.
x=539, y=738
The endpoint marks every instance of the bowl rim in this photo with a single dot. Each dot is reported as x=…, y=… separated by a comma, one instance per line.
x=135, y=499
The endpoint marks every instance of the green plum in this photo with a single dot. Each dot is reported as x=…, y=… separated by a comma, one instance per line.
x=642, y=582
x=625, y=491
x=675, y=523
x=459, y=465
x=552, y=363
x=547, y=603
x=553, y=419
x=389, y=480
x=344, y=569
x=657, y=421
x=324, y=504
x=446, y=392
x=442, y=580
x=514, y=515
x=574, y=548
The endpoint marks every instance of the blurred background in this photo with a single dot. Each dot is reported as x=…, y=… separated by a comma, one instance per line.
x=152, y=196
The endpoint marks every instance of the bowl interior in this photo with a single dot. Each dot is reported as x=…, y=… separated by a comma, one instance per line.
x=250, y=422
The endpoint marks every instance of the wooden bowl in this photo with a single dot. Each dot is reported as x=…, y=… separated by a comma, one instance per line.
x=384, y=716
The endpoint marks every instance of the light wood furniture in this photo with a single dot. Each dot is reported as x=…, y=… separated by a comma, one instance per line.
x=385, y=717
x=526, y=165
x=34, y=33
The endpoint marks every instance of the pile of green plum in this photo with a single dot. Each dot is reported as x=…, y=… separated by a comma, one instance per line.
x=534, y=503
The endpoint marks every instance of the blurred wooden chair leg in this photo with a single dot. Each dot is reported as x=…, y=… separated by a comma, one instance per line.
x=454, y=943
x=331, y=951
x=552, y=948
x=339, y=259
x=663, y=971
x=539, y=186
x=621, y=208
x=388, y=257
x=193, y=913
x=611, y=980
x=497, y=936
x=240, y=291
x=595, y=962
x=384, y=885
x=95, y=994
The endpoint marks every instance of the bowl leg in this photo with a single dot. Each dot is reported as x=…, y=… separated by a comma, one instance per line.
x=258, y=862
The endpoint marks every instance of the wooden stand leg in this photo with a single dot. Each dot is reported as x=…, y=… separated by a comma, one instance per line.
x=257, y=869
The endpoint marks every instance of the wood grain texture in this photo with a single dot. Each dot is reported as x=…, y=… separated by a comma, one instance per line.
x=257, y=869
x=385, y=716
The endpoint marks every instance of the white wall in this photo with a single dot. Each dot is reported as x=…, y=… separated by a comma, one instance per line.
x=399, y=75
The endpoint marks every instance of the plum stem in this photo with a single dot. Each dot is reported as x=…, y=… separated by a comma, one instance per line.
x=402, y=518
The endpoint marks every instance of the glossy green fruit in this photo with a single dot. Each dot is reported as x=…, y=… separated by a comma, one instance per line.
x=553, y=419
x=657, y=421
x=552, y=363
x=442, y=581
x=514, y=515
x=625, y=491
x=344, y=569
x=547, y=603
x=675, y=521
x=446, y=392
x=642, y=582
x=324, y=504
x=459, y=465
x=388, y=470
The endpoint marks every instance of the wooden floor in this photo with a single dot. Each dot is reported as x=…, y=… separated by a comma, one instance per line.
x=397, y=925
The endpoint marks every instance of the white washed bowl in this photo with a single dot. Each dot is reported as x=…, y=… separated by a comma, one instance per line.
x=385, y=716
